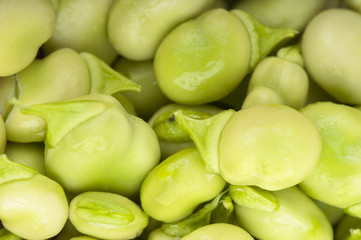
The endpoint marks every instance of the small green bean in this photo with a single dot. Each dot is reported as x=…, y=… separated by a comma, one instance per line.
x=107, y=216
x=25, y=25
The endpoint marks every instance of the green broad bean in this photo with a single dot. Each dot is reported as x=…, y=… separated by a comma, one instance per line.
x=171, y=135
x=150, y=98
x=95, y=136
x=332, y=65
x=81, y=26
x=204, y=59
x=29, y=154
x=219, y=231
x=271, y=146
x=176, y=186
x=64, y=74
x=107, y=216
x=282, y=13
x=278, y=80
x=314, y=92
x=25, y=25
x=136, y=29
x=245, y=122
x=32, y=205
x=221, y=45
x=296, y=217
x=335, y=178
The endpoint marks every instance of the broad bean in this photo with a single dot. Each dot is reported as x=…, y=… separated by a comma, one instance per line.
x=176, y=186
x=99, y=140
x=272, y=146
x=221, y=45
x=276, y=79
x=332, y=65
x=32, y=205
x=295, y=216
x=24, y=25
x=245, y=124
x=107, y=216
x=336, y=175
x=227, y=45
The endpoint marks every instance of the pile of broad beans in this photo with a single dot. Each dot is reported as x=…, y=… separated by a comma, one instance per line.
x=170, y=119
